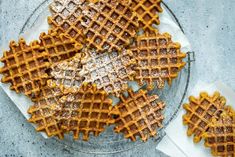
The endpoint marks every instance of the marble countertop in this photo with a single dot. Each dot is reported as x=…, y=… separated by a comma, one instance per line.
x=209, y=25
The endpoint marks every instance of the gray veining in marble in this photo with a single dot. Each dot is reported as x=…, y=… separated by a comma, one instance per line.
x=209, y=25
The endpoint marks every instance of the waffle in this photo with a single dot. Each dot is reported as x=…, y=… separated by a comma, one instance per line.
x=109, y=25
x=66, y=17
x=138, y=115
x=200, y=112
x=43, y=111
x=86, y=110
x=109, y=71
x=221, y=135
x=67, y=72
x=24, y=67
x=59, y=46
x=147, y=12
x=159, y=59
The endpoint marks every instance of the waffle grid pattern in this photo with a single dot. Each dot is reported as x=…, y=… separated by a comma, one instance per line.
x=221, y=136
x=66, y=17
x=109, y=25
x=159, y=59
x=59, y=46
x=139, y=115
x=67, y=72
x=147, y=12
x=85, y=110
x=110, y=71
x=43, y=112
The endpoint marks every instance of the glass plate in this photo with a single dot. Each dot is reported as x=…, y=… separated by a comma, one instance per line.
x=108, y=141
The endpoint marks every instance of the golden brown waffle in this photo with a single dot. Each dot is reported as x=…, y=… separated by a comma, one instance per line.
x=159, y=59
x=109, y=71
x=86, y=110
x=220, y=136
x=138, y=115
x=59, y=46
x=67, y=72
x=66, y=17
x=147, y=12
x=43, y=111
x=24, y=67
x=200, y=111
x=109, y=25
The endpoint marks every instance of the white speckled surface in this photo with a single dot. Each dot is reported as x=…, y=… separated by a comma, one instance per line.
x=208, y=24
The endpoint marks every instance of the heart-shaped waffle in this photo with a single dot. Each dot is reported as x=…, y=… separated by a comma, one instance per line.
x=85, y=110
x=25, y=67
x=109, y=25
x=220, y=136
x=66, y=17
x=43, y=111
x=109, y=71
x=200, y=112
x=159, y=59
x=138, y=115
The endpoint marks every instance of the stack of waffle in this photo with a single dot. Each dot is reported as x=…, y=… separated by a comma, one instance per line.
x=90, y=54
